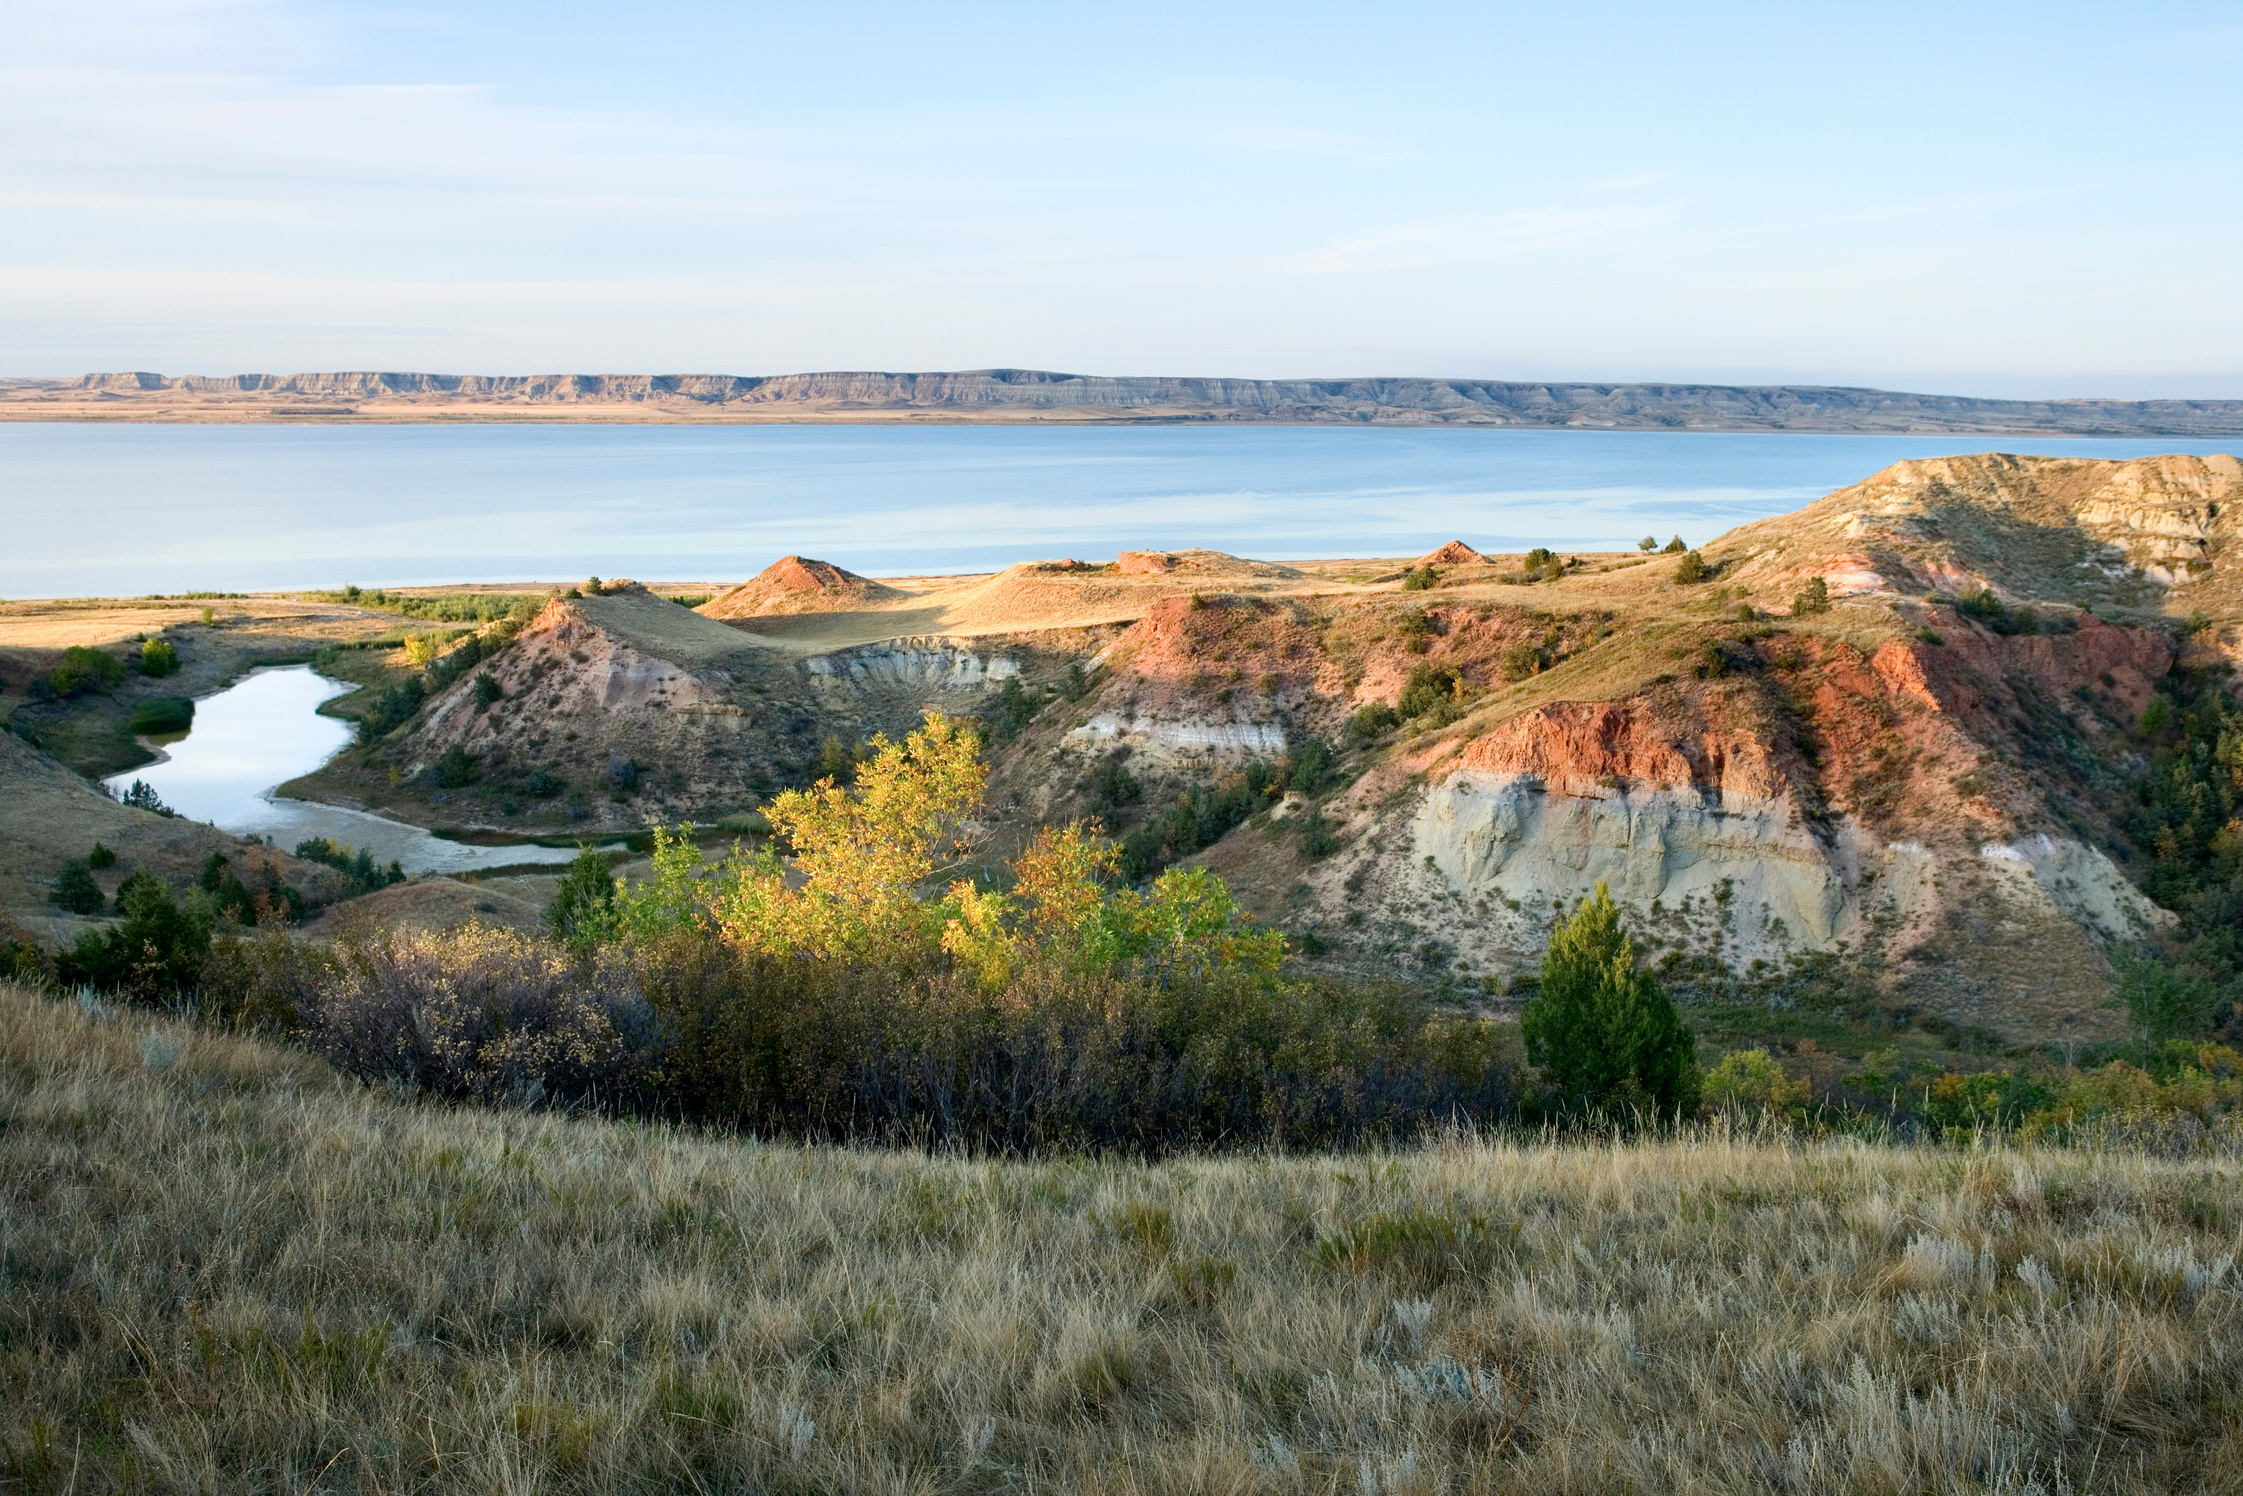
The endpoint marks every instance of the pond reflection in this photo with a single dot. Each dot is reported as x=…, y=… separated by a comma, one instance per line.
x=265, y=730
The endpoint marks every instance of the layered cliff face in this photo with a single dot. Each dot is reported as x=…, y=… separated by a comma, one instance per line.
x=1033, y=393
x=610, y=711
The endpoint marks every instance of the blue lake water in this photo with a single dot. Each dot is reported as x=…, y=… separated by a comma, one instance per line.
x=89, y=509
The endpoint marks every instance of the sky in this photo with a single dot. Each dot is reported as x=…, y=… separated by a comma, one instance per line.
x=1992, y=199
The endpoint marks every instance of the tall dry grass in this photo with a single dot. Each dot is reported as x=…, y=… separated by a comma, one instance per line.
x=226, y=1270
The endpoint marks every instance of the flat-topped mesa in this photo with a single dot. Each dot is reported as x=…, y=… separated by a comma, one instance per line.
x=797, y=584
x=1455, y=553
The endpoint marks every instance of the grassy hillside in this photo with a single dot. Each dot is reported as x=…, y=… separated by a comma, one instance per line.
x=226, y=1270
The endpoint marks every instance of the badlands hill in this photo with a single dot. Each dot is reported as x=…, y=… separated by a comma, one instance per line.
x=1920, y=792
x=1037, y=395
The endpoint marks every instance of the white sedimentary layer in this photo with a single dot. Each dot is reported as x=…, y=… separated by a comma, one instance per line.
x=933, y=667
x=2080, y=881
x=1507, y=835
x=1264, y=739
x=1777, y=887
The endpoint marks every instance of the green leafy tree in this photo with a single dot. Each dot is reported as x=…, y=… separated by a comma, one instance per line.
x=2163, y=1002
x=583, y=912
x=1603, y=1030
x=1648, y=544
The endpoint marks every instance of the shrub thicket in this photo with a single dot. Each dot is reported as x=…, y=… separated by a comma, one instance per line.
x=832, y=996
x=156, y=952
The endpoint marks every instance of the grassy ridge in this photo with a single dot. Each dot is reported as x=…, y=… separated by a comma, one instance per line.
x=227, y=1270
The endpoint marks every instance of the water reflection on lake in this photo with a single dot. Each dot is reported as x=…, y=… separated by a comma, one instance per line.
x=265, y=730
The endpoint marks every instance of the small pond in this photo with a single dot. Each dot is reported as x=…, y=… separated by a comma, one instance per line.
x=265, y=730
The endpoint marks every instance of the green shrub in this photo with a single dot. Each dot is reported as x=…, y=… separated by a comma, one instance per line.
x=1986, y=607
x=1418, y=1249
x=1370, y=721
x=1428, y=688
x=541, y=785
x=1812, y=598
x=1014, y=709
x=1522, y=660
x=391, y=710
x=159, y=714
x=158, y=657
x=1200, y=816
x=1750, y=1080
x=1691, y=569
x=1110, y=786
x=100, y=857
x=272, y=901
x=1602, y=1029
x=1421, y=579
x=1308, y=766
x=75, y=892
x=1675, y=547
x=488, y=693
x=455, y=768
x=83, y=670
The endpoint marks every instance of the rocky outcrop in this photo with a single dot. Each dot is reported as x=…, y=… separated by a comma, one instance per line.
x=2074, y=530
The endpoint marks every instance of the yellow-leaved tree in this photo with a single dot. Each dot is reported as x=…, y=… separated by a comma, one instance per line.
x=1186, y=925
x=862, y=854
x=859, y=852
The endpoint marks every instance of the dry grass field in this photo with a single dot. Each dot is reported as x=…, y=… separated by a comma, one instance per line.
x=227, y=1271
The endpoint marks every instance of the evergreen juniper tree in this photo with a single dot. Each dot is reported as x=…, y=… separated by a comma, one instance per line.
x=1603, y=1030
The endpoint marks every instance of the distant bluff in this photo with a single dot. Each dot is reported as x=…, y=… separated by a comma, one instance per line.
x=1034, y=394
